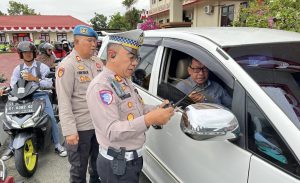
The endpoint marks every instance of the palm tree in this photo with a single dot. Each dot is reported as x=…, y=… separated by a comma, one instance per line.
x=129, y=3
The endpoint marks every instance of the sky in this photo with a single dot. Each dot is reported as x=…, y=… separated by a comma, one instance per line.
x=83, y=10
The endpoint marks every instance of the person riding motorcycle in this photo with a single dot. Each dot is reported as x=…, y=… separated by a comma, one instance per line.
x=29, y=72
x=46, y=55
x=66, y=46
x=59, y=51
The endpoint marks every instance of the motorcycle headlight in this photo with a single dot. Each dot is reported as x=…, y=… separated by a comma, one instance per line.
x=31, y=121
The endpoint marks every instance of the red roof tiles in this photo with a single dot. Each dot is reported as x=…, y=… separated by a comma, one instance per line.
x=38, y=21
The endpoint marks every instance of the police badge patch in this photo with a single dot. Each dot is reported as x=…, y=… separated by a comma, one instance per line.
x=60, y=72
x=106, y=96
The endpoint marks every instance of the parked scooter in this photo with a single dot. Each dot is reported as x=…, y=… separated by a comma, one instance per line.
x=25, y=120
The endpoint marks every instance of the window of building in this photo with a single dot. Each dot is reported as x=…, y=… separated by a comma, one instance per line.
x=61, y=36
x=45, y=37
x=21, y=37
x=266, y=143
x=2, y=38
x=227, y=15
x=244, y=4
x=153, y=1
x=143, y=71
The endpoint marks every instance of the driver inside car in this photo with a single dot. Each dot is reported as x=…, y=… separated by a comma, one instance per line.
x=207, y=91
x=31, y=70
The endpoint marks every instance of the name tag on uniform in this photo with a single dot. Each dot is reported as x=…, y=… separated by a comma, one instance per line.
x=82, y=72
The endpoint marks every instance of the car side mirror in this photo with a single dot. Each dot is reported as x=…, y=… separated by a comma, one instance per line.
x=206, y=121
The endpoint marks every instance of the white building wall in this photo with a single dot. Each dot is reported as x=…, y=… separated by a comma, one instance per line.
x=199, y=18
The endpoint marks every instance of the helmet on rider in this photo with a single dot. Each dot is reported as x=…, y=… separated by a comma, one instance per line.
x=58, y=45
x=44, y=47
x=26, y=46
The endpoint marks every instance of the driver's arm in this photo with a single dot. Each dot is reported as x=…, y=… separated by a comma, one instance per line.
x=15, y=76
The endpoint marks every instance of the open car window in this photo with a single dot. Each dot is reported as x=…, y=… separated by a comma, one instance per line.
x=175, y=73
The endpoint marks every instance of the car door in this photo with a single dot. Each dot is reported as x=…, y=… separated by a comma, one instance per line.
x=170, y=155
x=271, y=118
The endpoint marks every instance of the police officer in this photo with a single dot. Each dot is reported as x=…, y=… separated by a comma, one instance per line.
x=72, y=79
x=119, y=114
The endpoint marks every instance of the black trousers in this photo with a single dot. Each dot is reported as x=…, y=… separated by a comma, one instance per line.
x=81, y=155
x=132, y=173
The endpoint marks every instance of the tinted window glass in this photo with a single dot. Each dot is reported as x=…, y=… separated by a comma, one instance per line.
x=142, y=73
x=264, y=141
x=276, y=68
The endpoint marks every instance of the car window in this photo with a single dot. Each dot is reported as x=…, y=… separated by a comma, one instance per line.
x=143, y=71
x=176, y=82
x=264, y=141
x=276, y=68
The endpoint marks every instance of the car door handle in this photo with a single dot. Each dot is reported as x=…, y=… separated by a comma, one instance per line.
x=157, y=127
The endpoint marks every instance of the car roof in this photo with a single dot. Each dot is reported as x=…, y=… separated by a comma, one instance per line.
x=233, y=36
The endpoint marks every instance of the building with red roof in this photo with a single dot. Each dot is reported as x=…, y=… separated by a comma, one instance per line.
x=50, y=28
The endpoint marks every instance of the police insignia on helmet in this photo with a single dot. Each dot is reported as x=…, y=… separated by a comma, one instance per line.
x=141, y=39
x=83, y=30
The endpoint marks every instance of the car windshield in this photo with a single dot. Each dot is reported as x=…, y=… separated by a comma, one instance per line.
x=276, y=68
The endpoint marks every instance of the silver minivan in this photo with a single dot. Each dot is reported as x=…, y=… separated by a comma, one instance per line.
x=257, y=138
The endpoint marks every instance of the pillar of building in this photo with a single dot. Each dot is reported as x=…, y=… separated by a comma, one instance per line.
x=195, y=16
x=31, y=36
x=7, y=38
x=175, y=11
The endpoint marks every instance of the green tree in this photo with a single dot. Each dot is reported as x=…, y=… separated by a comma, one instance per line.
x=99, y=21
x=129, y=3
x=16, y=8
x=117, y=21
x=277, y=14
x=133, y=17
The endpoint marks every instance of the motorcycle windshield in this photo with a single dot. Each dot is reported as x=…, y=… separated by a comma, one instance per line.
x=23, y=89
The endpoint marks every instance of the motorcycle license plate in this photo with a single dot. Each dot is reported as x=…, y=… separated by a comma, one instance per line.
x=20, y=108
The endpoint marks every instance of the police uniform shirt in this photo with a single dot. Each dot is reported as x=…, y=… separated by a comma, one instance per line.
x=119, y=121
x=72, y=79
x=213, y=92
x=44, y=70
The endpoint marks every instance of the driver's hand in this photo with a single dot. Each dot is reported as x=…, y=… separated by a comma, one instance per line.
x=197, y=97
x=165, y=102
x=29, y=77
x=72, y=139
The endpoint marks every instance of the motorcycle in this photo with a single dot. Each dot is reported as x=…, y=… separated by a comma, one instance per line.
x=25, y=120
